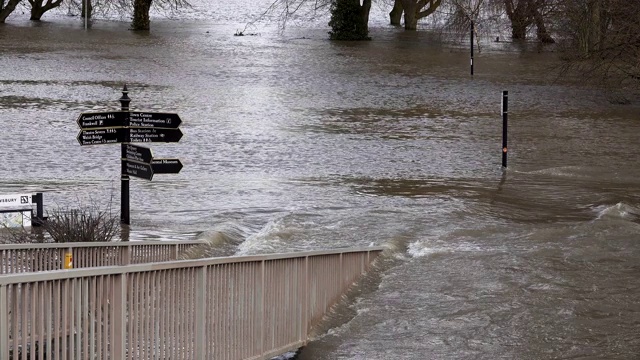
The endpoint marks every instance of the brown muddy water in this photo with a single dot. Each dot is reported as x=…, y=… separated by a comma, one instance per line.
x=294, y=143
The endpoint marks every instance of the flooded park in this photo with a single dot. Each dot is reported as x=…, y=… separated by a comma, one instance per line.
x=293, y=142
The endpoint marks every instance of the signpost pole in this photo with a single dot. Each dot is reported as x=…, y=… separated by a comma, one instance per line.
x=39, y=209
x=124, y=177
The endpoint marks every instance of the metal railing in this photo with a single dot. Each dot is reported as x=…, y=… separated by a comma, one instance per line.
x=23, y=258
x=251, y=307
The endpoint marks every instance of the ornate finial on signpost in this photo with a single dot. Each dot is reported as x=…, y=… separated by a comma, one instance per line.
x=125, y=100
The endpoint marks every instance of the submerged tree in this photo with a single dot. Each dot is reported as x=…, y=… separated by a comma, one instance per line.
x=525, y=13
x=602, y=39
x=39, y=7
x=415, y=10
x=350, y=20
x=141, y=19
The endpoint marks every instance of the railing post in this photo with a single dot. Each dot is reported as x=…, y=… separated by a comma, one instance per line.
x=176, y=251
x=368, y=260
x=126, y=254
x=201, y=313
x=119, y=329
x=261, y=311
x=4, y=323
x=306, y=301
x=341, y=278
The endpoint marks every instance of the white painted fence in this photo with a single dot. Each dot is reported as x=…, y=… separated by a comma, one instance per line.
x=251, y=307
x=23, y=258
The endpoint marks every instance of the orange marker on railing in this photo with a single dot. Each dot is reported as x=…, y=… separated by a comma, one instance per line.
x=68, y=260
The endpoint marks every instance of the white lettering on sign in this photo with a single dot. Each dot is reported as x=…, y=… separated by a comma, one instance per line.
x=16, y=201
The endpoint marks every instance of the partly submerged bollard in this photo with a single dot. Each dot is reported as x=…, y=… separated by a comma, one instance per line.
x=505, y=107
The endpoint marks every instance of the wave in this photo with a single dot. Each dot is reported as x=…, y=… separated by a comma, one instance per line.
x=272, y=237
x=565, y=171
x=617, y=211
x=222, y=240
x=424, y=248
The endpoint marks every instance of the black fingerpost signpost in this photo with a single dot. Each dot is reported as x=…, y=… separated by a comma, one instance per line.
x=126, y=127
x=124, y=175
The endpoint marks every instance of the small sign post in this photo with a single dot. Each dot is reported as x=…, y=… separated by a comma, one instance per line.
x=16, y=210
x=126, y=127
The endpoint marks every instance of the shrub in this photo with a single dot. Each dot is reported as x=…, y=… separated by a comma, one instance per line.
x=86, y=224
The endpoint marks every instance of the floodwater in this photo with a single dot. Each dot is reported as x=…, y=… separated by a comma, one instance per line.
x=292, y=142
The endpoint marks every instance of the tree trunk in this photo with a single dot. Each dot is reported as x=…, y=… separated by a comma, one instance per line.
x=364, y=13
x=519, y=18
x=37, y=9
x=518, y=30
x=543, y=35
x=141, y=15
x=433, y=6
x=396, y=13
x=349, y=20
x=595, y=25
x=410, y=18
x=7, y=9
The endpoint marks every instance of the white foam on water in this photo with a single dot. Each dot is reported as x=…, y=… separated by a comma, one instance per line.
x=619, y=210
x=560, y=171
x=422, y=248
x=285, y=356
x=270, y=238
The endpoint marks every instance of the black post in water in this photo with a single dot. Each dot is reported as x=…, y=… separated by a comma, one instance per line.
x=505, y=114
x=124, y=178
x=472, y=31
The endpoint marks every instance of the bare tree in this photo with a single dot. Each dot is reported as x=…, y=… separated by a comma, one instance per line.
x=7, y=8
x=602, y=40
x=39, y=7
x=481, y=14
x=413, y=10
x=525, y=13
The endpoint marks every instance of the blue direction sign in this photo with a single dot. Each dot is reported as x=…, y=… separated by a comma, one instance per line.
x=95, y=120
x=101, y=136
x=137, y=153
x=166, y=166
x=154, y=135
x=154, y=120
x=137, y=169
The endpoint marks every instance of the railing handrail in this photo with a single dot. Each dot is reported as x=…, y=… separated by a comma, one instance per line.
x=9, y=279
x=31, y=246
